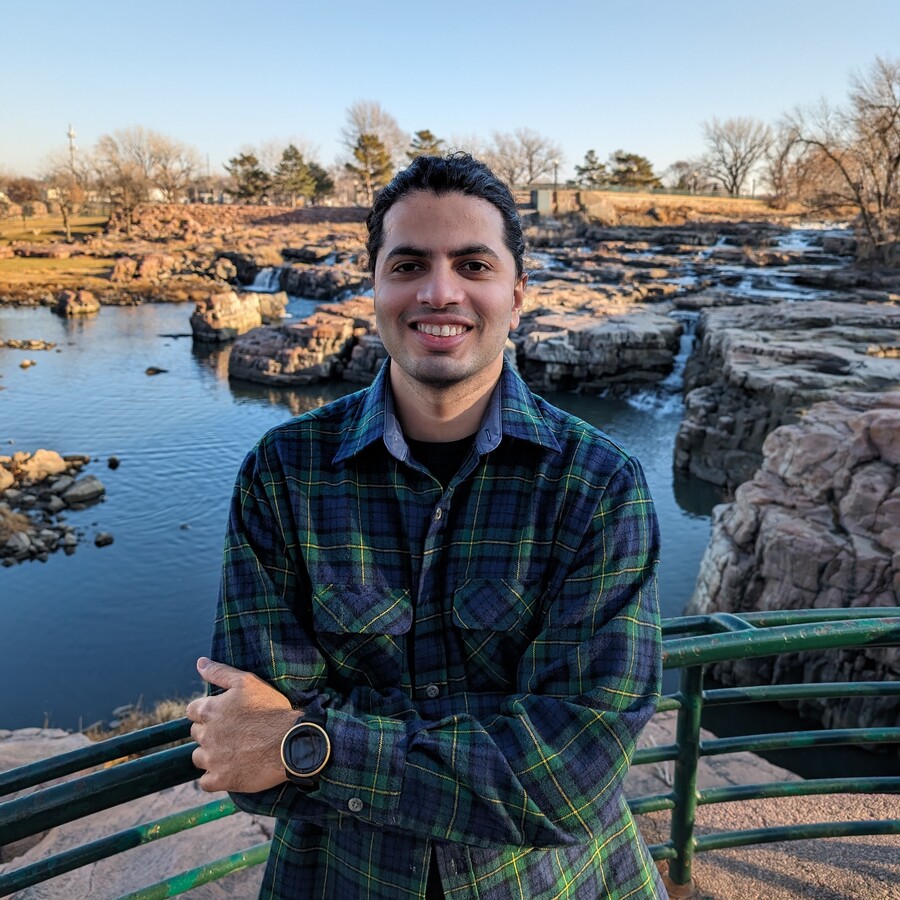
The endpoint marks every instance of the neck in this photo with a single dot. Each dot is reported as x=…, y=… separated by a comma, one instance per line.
x=429, y=413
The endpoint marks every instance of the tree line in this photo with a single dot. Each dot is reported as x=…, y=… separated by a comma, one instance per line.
x=825, y=157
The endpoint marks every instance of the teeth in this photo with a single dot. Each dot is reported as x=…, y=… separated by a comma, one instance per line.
x=440, y=330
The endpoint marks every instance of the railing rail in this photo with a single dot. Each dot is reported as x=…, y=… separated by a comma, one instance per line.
x=690, y=644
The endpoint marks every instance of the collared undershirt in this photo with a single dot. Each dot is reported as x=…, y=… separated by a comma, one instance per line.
x=443, y=460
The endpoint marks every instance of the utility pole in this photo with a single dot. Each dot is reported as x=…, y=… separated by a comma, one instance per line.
x=71, y=135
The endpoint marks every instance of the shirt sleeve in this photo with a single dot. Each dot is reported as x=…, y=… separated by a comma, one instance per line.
x=543, y=766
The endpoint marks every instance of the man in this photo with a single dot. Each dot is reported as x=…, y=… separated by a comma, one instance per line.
x=437, y=626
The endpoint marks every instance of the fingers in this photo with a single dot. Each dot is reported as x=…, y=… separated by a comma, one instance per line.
x=219, y=674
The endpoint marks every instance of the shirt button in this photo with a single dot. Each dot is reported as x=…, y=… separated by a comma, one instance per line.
x=354, y=804
x=437, y=514
x=432, y=691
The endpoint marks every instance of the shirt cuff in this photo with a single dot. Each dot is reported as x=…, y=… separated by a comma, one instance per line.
x=364, y=776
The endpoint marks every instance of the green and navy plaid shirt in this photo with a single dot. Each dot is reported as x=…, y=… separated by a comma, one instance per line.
x=484, y=655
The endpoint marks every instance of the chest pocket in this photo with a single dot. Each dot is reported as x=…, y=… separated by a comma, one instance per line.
x=361, y=630
x=495, y=620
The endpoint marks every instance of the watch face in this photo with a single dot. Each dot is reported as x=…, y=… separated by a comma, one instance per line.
x=305, y=749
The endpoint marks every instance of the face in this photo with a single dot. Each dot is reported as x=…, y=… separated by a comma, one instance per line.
x=446, y=290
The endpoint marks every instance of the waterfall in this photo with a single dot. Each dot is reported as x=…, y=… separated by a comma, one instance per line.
x=267, y=281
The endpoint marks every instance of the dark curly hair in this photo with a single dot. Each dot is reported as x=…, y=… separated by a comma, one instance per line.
x=457, y=173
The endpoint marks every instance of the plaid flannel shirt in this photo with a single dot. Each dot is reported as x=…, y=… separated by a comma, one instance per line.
x=484, y=656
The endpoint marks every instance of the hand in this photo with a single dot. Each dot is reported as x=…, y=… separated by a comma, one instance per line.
x=239, y=732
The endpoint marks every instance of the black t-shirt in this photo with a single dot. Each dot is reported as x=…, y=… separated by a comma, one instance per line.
x=441, y=458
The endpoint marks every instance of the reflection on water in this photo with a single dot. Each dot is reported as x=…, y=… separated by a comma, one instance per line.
x=126, y=622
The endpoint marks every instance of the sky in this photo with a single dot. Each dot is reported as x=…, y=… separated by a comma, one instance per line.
x=642, y=76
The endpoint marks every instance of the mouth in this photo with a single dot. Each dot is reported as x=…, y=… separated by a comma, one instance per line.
x=441, y=330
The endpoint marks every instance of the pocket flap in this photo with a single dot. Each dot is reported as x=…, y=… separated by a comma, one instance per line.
x=494, y=605
x=360, y=609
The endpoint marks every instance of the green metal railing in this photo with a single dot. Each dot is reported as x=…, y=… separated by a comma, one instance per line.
x=690, y=644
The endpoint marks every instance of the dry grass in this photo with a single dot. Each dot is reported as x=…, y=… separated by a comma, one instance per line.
x=48, y=229
x=66, y=272
x=137, y=718
x=12, y=522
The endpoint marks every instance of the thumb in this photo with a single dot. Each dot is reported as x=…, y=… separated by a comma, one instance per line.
x=219, y=674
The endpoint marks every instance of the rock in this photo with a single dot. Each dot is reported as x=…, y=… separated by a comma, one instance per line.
x=39, y=465
x=366, y=358
x=154, y=370
x=124, y=269
x=6, y=478
x=103, y=539
x=113, y=462
x=299, y=353
x=76, y=303
x=595, y=352
x=156, y=266
x=84, y=490
x=224, y=270
x=757, y=368
x=322, y=282
x=223, y=316
x=816, y=526
x=27, y=364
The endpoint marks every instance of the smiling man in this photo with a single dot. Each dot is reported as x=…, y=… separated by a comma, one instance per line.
x=437, y=637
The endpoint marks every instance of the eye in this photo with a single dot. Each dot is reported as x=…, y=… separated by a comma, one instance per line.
x=404, y=268
x=475, y=265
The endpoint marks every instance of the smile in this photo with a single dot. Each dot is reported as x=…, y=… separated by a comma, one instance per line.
x=441, y=330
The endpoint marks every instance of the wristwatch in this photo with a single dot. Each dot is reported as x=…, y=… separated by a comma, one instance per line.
x=305, y=751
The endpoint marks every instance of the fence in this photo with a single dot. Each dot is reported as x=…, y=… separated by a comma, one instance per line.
x=690, y=644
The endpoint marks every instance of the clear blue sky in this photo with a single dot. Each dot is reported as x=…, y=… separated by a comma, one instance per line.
x=641, y=76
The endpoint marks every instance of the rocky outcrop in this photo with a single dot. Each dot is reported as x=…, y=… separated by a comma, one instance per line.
x=35, y=488
x=305, y=352
x=76, y=303
x=322, y=282
x=757, y=368
x=818, y=526
x=225, y=315
x=597, y=352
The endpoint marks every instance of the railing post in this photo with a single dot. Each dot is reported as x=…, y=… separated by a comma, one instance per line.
x=685, y=784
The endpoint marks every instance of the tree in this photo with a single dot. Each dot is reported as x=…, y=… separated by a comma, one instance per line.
x=124, y=163
x=734, y=147
x=855, y=154
x=65, y=192
x=174, y=168
x=323, y=183
x=523, y=156
x=373, y=165
x=293, y=177
x=250, y=181
x=367, y=117
x=591, y=173
x=424, y=143
x=632, y=170
x=22, y=189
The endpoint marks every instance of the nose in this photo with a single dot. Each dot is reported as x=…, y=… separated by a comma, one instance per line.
x=440, y=288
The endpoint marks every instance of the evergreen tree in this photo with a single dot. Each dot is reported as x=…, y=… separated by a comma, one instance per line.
x=424, y=143
x=592, y=173
x=632, y=170
x=251, y=181
x=323, y=183
x=293, y=177
x=373, y=165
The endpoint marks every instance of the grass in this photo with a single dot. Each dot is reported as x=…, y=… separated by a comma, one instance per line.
x=24, y=270
x=137, y=718
x=11, y=522
x=49, y=229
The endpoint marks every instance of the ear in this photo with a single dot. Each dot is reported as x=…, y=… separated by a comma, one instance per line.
x=518, y=301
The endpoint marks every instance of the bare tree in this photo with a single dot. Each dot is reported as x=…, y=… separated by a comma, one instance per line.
x=368, y=117
x=124, y=163
x=66, y=189
x=540, y=156
x=735, y=146
x=175, y=166
x=858, y=151
x=504, y=156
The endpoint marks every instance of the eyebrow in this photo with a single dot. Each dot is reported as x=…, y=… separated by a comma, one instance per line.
x=421, y=253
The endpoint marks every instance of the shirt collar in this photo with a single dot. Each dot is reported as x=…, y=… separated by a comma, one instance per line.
x=512, y=410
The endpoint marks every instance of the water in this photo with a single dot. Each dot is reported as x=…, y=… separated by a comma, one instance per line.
x=81, y=635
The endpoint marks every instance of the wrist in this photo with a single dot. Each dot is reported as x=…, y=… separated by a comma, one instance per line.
x=305, y=751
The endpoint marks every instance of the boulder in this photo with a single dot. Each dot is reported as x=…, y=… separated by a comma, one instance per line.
x=39, y=465
x=322, y=282
x=596, y=352
x=758, y=368
x=124, y=269
x=225, y=315
x=314, y=349
x=816, y=526
x=76, y=303
x=156, y=266
x=84, y=490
